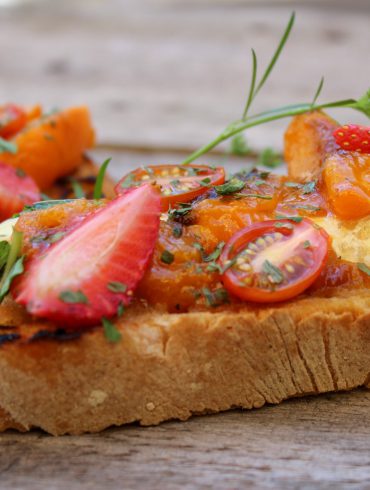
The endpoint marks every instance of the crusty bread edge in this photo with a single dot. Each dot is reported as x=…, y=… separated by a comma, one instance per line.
x=171, y=366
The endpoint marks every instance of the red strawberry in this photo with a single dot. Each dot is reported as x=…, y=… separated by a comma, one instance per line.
x=16, y=190
x=93, y=270
x=353, y=137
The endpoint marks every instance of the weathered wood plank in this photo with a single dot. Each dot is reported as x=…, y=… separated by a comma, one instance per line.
x=172, y=72
x=318, y=442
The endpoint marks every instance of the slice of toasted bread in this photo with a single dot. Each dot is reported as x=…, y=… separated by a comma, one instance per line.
x=170, y=366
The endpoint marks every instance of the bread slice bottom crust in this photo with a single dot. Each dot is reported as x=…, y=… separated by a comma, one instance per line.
x=171, y=366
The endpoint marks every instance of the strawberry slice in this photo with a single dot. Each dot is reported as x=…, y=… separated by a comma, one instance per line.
x=93, y=271
x=353, y=137
x=16, y=190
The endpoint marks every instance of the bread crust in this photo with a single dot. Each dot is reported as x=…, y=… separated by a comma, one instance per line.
x=171, y=366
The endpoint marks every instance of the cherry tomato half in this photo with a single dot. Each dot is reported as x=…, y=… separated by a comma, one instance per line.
x=274, y=260
x=177, y=183
x=12, y=119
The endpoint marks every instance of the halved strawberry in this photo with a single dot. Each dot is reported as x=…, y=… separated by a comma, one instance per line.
x=353, y=137
x=93, y=271
x=16, y=190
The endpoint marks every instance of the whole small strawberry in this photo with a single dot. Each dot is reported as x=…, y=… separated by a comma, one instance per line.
x=353, y=137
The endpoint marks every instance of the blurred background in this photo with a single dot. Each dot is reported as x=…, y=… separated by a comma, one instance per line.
x=164, y=76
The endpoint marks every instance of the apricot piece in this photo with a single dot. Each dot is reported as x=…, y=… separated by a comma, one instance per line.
x=308, y=141
x=347, y=181
x=51, y=147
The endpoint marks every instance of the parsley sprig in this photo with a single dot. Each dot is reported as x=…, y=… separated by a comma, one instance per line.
x=247, y=121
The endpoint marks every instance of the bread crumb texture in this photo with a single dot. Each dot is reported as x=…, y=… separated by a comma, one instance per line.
x=171, y=366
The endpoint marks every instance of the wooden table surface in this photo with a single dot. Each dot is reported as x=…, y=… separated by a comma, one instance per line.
x=162, y=77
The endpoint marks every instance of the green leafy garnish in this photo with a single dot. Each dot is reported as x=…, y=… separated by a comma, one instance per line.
x=269, y=158
x=363, y=268
x=215, y=254
x=77, y=189
x=247, y=121
x=112, y=334
x=98, y=189
x=239, y=146
x=296, y=219
x=230, y=187
x=14, y=265
x=40, y=205
x=167, y=257
x=4, y=253
x=290, y=226
x=309, y=187
x=56, y=237
x=7, y=146
x=73, y=297
x=306, y=244
x=120, y=309
x=117, y=287
x=217, y=297
x=294, y=185
x=274, y=273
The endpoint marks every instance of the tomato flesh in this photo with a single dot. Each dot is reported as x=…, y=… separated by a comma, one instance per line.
x=274, y=260
x=177, y=183
x=12, y=119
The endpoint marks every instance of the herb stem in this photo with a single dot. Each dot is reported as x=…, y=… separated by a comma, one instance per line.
x=262, y=118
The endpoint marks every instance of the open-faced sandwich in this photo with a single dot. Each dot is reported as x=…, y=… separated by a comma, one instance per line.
x=178, y=290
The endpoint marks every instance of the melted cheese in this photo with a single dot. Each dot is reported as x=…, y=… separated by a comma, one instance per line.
x=351, y=240
x=6, y=229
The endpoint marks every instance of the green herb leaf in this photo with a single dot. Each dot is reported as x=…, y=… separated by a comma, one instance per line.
x=307, y=207
x=56, y=237
x=7, y=147
x=13, y=267
x=269, y=158
x=363, y=268
x=318, y=92
x=77, y=189
x=120, y=309
x=257, y=196
x=309, y=187
x=117, y=287
x=73, y=297
x=296, y=219
x=215, y=254
x=230, y=187
x=128, y=182
x=217, y=297
x=177, y=230
x=98, y=189
x=16, y=269
x=290, y=226
x=251, y=93
x=180, y=212
x=112, y=334
x=167, y=257
x=40, y=205
x=274, y=273
x=239, y=146
x=4, y=253
x=306, y=244
x=294, y=185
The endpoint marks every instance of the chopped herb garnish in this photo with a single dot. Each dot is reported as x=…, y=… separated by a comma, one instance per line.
x=205, y=182
x=290, y=226
x=306, y=244
x=363, y=268
x=215, y=254
x=309, y=187
x=239, y=146
x=98, y=188
x=77, y=189
x=39, y=206
x=128, y=182
x=307, y=207
x=167, y=257
x=274, y=273
x=180, y=212
x=73, y=297
x=7, y=146
x=4, y=253
x=177, y=230
x=264, y=175
x=230, y=187
x=117, y=287
x=112, y=334
x=214, y=267
x=120, y=309
x=56, y=237
x=14, y=265
x=257, y=196
x=259, y=182
x=269, y=158
x=294, y=185
x=217, y=297
x=296, y=219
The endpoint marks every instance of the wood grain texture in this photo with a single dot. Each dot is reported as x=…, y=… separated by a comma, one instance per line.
x=318, y=442
x=173, y=72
